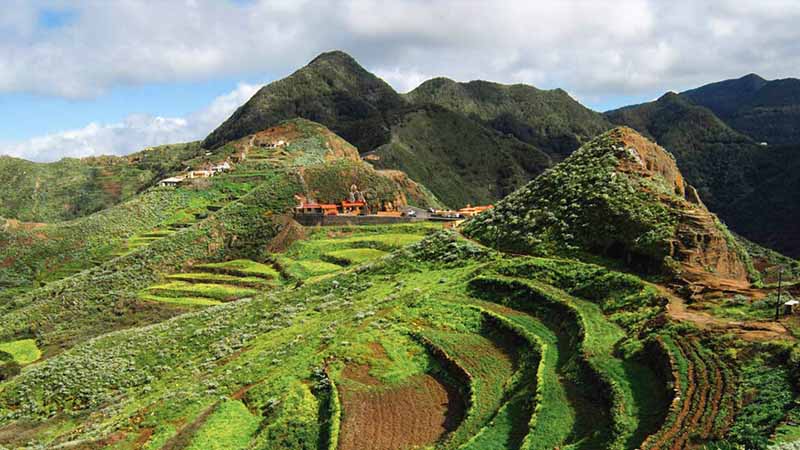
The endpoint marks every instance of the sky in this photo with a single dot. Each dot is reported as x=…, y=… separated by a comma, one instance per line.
x=89, y=77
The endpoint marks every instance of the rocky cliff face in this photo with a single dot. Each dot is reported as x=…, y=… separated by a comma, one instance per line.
x=619, y=196
x=702, y=246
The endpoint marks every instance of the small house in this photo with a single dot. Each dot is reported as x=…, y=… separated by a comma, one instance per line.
x=470, y=211
x=219, y=168
x=171, y=181
x=790, y=307
x=317, y=208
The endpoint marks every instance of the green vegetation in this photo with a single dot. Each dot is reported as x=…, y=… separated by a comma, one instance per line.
x=550, y=120
x=732, y=172
x=215, y=291
x=71, y=188
x=105, y=296
x=352, y=256
x=457, y=159
x=179, y=299
x=526, y=352
x=241, y=268
x=230, y=426
x=23, y=351
x=606, y=201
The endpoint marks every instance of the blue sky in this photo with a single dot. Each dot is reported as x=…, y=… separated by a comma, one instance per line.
x=89, y=77
x=37, y=114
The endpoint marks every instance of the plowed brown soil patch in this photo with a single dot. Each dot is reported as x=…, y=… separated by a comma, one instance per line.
x=360, y=373
x=416, y=413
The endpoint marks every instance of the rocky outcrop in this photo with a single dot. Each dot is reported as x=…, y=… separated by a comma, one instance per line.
x=705, y=250
x=619, y=196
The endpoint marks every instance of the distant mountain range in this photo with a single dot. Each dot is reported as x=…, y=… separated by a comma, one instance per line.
x=737, y=141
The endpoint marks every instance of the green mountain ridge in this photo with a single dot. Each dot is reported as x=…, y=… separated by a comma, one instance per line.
x=337, y=92
x=766, y=110
x=460, y=162
x=333, y=89
x=550, y=120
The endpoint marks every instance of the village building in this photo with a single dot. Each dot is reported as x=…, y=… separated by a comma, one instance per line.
x=200, y=174
x=791, y=307
x=324, y=209
x=353, y=208
x=470, y=211
x=171, y=181
x=277, y=144
x=219, y=168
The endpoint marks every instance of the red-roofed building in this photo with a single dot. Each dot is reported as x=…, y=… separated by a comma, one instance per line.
x=352, y=208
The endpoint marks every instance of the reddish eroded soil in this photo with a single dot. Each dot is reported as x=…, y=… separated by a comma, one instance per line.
x=144, y=437
x=750, y=330
x=360, y=373
x=417, y=412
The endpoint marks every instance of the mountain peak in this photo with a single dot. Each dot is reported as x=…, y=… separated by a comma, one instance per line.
x=669, y=96
x=336, y=57
x=332, y=89
x=753, y=77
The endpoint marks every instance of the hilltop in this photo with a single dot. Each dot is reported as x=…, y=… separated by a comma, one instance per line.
x=333, y=89
x=622, y=197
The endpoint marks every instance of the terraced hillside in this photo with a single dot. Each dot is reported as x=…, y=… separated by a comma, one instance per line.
x=73, y=188
x=438, y=344
x=70, y=281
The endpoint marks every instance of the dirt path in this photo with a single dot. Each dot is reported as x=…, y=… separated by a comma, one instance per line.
x=751, y=330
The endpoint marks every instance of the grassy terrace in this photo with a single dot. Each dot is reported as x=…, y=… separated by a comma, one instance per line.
x=325, y=252
x=352, y=256
x=440, y=345
x=241, y=268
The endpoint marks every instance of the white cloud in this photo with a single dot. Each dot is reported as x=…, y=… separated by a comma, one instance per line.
x=134, y=133
x=596, y=50
x=592, y=48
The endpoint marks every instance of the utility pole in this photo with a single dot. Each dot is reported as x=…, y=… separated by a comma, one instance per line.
x=780, y=282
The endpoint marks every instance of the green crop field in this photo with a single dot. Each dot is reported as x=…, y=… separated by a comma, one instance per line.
x=352, y=256
x=242, y=268
x=23, y=351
